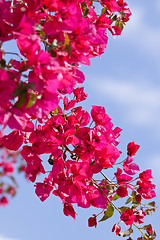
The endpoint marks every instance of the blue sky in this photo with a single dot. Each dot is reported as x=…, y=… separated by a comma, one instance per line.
x=126, y=81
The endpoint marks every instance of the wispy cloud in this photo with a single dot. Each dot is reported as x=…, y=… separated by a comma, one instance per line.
x=6, y=238
x=157, y=5
x=144, y=35
x=154, y=163
x=139, y=100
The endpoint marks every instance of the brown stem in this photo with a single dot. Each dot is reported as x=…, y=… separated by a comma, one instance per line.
x=107, y=178
x=67, y=149
x=43, y=40
x=94, y=182
x=139, y=229
x=16, y=55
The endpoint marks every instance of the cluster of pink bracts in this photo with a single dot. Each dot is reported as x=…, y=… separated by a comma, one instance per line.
x=36, y=86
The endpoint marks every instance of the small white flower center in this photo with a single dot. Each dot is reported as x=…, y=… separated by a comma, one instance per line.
x=98, y=134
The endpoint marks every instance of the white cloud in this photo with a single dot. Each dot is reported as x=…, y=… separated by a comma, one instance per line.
x=139, y=100
x=6, y=238
x=157, y=5
x=142, y=34
x=154, y=163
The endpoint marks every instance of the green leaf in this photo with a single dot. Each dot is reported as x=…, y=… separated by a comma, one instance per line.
x=50, y=161
x=13, y=179
x=121, y=25
x=92, y=163
x=50, y=50
x=56, y=110
x=22, y=88
x=122, y=14
x=152, y=204
x=66, y=42
x=54, y=44
x=133, y=193
x=23, y=68
x=7, y=190
x=19, y=90
x=135, y=204
x=20, y=169
x=21, y=100
x=32, y=100
x=114, y=18
x=2, y=63
x=123, y=209
x=115, y=197
x=117, y=23
x=1, y=184
x=103, y=10
x=31, y=85
x=109, y=213
x=128, y=200
x=146, y=237
x=85, y=9
x=148, y=211
x=68, y=49
x=146, y=226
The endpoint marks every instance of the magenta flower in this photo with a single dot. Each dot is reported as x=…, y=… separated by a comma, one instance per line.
x=129, y=167
x=122, y=191
x=132, y=148
x=128, y=217
x=69, y=210
x=116, y=228
x=92, y=221
x=12, y=141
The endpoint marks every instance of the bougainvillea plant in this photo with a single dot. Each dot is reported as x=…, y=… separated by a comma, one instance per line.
x=40, y=103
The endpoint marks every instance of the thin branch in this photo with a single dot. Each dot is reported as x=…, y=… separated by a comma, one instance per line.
x=106, y=196
x=16, y=55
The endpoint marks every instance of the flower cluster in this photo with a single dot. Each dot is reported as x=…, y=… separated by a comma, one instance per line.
x=53, y=38
x=80, y=146
x=10, y=160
